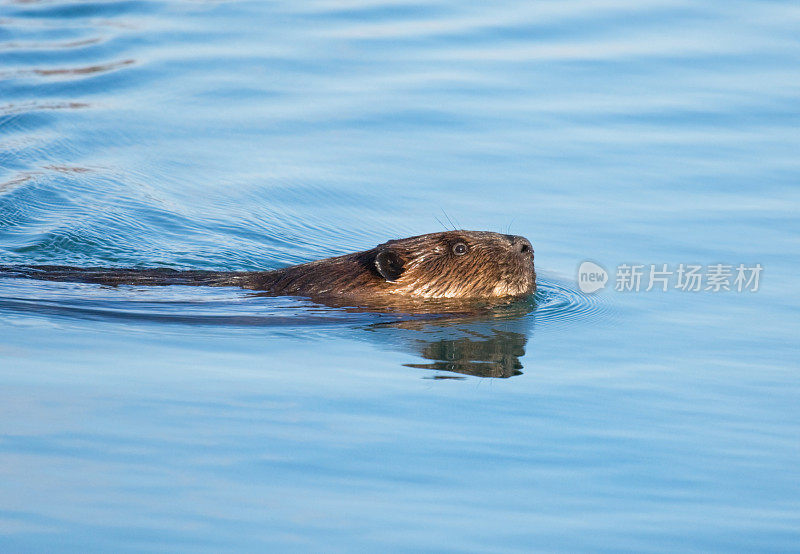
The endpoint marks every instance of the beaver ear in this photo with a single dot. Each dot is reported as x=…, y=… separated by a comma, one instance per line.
x=389, y=264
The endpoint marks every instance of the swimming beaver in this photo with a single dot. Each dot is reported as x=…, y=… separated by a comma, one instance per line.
x=447, y=265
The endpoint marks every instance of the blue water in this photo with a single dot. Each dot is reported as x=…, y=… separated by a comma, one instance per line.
x=253, y=135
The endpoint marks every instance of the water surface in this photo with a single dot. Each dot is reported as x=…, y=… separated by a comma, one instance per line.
x=251, y=135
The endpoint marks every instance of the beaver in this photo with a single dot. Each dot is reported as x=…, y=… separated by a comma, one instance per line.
x=446, y=265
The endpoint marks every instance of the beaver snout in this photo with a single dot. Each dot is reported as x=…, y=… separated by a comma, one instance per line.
x=520, y=244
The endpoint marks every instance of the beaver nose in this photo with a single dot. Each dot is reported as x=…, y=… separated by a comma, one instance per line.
x=520, y=244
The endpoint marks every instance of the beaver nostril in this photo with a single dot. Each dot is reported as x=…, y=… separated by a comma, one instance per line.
x=524, y=248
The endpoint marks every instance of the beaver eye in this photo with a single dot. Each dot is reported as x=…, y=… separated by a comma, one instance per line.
x=459, y=249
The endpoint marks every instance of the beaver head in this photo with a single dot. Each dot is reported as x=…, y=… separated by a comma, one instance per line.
x=457, y=264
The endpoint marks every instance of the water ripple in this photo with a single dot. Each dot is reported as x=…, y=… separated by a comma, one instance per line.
x=44, y=45
x=87, y=70
x=560, y=304
x=33, y=106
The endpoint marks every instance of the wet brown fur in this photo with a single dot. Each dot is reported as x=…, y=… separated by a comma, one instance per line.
x=422, y=267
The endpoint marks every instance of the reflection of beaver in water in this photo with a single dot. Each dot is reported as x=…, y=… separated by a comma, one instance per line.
x=447, y=265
